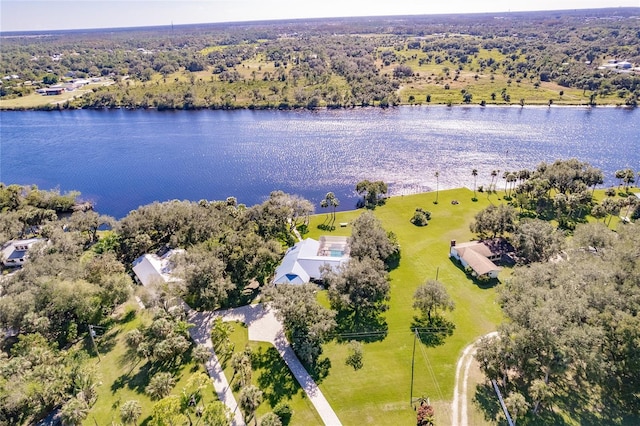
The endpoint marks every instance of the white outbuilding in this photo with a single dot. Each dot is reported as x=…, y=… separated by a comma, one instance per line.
x=151, y=268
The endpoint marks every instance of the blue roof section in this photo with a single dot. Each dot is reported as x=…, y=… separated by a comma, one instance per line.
x=17, y=254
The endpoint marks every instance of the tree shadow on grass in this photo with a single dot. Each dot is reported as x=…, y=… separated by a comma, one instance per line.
x=320, y=370
x=371, y=327
x=136, y=382
x=106, y=342
x=139, y=381
x=146, y=421
x=275, y=381
x=326, y=227
x=482, y=283
x=485, y=398
x=432, y=332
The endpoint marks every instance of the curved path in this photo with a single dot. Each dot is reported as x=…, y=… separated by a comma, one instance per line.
x=459, y=404
x=263, y=327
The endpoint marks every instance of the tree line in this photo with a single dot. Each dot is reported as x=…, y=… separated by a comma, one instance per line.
x=332, y=63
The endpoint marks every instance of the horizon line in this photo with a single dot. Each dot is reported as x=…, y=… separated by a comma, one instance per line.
x=172, y=24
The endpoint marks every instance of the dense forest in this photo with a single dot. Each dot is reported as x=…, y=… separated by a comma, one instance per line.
x=568, y=57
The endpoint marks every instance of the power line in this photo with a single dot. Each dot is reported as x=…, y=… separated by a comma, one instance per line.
x=433, y=377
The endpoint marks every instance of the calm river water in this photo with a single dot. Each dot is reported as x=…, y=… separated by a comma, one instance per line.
x=123, y=159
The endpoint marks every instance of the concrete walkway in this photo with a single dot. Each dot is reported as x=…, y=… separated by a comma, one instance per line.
x=201, y=335
x=264, y=327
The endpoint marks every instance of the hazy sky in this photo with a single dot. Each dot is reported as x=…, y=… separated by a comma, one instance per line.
x=23, y=15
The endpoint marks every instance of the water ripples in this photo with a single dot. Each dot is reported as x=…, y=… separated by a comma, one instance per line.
x=127, y=158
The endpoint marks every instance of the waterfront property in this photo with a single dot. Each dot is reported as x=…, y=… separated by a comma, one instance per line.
x=151, y=268
x=15, y=252
x=302, y=262
x=481, y=256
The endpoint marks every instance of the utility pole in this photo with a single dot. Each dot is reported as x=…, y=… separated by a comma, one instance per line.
x=92, y=334
x=502, y=404
x=413, y=357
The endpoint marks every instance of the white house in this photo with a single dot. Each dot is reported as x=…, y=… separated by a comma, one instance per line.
x=150, y=268
x=479, y=255
x=15, y=252
x=303, y=261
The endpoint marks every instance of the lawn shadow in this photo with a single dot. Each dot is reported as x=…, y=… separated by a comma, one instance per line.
x=106, y=342
x=275, y=381
x=482, y=283
x=138, y=381
x=146, y=421
x=129, y=316
x=485, y=398
x=320, y=370
x=365, y=328
x=432, y=332
x=326, y=227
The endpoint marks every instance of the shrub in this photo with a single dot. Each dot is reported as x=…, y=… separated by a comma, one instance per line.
x=421, y=217
x=425, y=416
x=354, y=359
x=270, y=419
x=283, y=411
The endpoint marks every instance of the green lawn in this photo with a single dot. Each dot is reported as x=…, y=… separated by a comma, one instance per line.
x=35, y=100
x=122, y=379
x=273, y=377
x=379, y=393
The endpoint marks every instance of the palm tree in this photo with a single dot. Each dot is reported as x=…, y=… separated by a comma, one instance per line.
x=130, y=412
x=250, y=400
x=437, y=187
x=628, y=178
x=330, y=200
x=474, y=173
x=160, y=385
x=74, y=412
x=630, y=202
x=241, y=364
x=511, y=179
x=494, y=174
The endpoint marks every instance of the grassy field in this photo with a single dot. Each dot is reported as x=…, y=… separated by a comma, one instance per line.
x=35, y=100
x=380, y=392
x=272, y=376
x=122, y=379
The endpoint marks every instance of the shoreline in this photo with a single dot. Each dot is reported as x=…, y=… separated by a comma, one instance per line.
x=57, y=107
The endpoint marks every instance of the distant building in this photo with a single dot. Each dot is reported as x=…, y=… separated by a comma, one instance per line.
x=614, y=64
x=150, y=268
x=15, y=253
x=481, y=255
x=50, y=91
x=302, y=262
